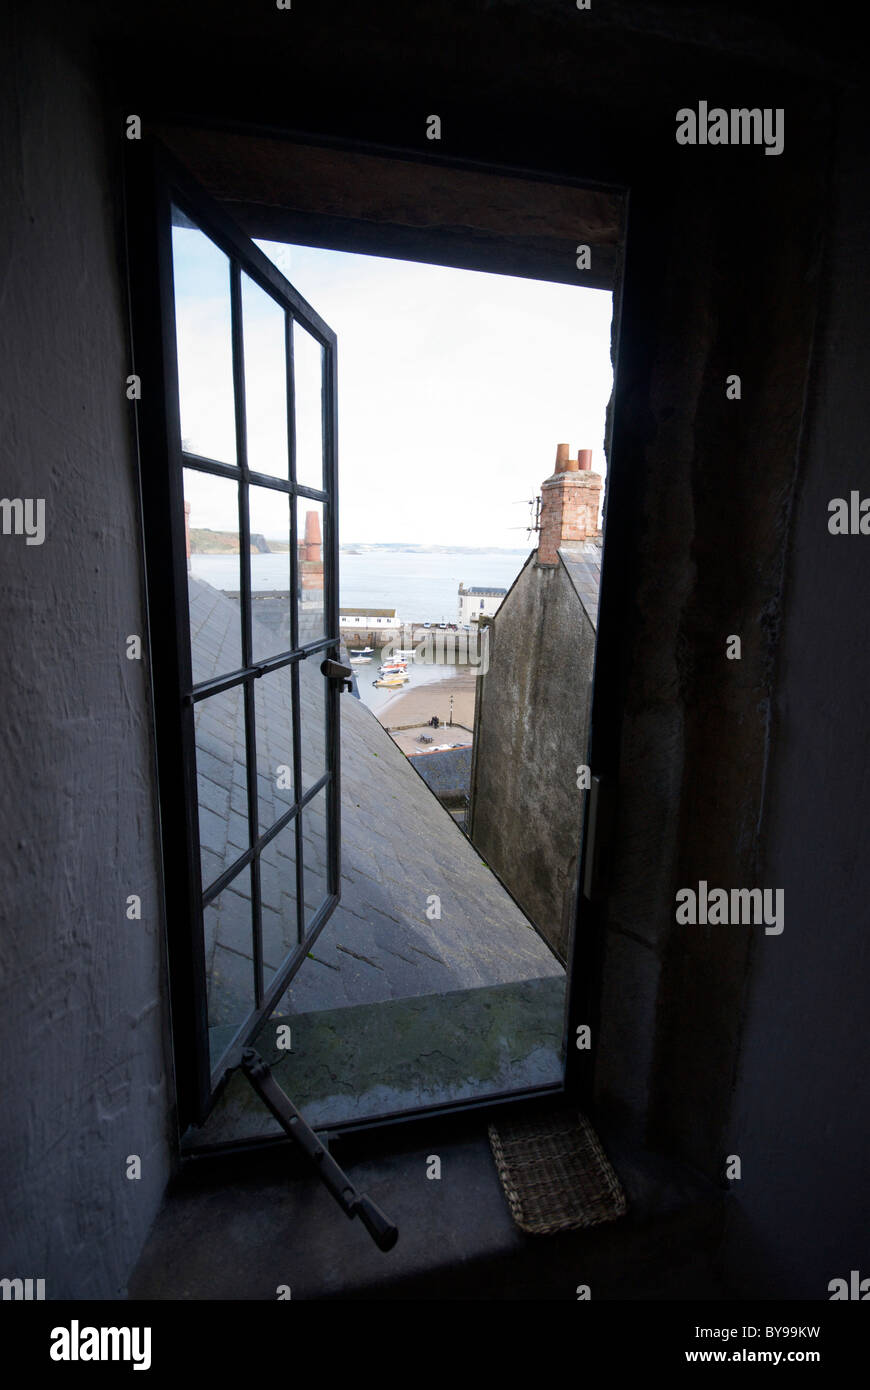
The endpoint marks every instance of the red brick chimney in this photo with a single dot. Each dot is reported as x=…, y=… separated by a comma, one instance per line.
x=311, y=553
x=569, y=504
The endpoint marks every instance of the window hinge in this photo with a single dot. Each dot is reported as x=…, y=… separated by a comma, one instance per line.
x=599, y=835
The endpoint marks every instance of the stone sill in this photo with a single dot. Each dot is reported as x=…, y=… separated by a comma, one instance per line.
x=240, y=1236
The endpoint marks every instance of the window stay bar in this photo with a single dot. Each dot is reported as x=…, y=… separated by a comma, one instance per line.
x=353, y=1203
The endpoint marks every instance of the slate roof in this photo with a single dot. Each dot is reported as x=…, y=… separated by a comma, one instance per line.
x=446, y=773
x=398, y=849
x=583, y=565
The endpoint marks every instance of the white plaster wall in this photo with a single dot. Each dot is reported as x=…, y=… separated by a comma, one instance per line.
x=83, y=1058
x=470, y=609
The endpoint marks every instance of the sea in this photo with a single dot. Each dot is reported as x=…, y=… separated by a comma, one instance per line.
x=422, y=586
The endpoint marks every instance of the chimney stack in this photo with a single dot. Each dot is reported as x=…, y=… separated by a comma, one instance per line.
x=569, y=504
x=311, y=554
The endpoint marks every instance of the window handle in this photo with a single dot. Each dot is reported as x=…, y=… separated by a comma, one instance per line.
x=334, y=670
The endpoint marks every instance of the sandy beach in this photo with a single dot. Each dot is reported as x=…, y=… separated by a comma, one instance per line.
x=417, y=706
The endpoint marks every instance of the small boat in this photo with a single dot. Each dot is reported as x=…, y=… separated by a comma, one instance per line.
x=360, y=660
x=360, y=651
x=392, y=668
x=390, y=681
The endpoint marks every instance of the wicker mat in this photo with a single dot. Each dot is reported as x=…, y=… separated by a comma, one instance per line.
x=555, y=1173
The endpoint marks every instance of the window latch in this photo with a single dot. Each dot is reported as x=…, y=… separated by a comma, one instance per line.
x=334, y=671
x=353, y=1203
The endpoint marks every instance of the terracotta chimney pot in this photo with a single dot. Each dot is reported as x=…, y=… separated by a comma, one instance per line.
x=564, y=462
x=569, y=505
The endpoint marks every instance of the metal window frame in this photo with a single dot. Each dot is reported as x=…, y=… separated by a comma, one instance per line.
x=582, y=1002
x=155, y=183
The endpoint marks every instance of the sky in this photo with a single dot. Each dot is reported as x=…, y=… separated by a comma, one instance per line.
x=454, y=388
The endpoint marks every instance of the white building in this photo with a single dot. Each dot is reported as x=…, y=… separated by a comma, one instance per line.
x=476, y=603
x=367, y=619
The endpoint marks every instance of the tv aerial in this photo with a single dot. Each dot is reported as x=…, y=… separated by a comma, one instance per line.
x=534, y=521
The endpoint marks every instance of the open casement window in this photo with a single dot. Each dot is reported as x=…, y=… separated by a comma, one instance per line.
x=237, y=443
x=237, y=447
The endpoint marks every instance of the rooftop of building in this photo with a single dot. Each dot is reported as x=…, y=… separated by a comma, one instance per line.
x=483, y=592
x=446, y=771
x=582, y=562
x=367, y=612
